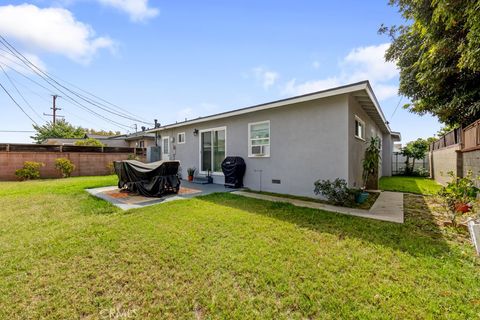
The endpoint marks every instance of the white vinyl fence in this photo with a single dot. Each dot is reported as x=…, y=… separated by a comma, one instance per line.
x=398, y=163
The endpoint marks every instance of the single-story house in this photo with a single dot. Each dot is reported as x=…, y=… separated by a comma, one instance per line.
x=141, y=139
x=287, y=144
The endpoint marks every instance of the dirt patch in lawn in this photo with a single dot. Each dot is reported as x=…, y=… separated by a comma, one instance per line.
x=429, y=214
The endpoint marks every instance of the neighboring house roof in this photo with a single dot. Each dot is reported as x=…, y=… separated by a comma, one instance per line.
x=362, y=92
x=396, y=136
x=140, y=135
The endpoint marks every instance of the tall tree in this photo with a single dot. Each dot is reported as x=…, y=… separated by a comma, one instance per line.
x=438, y=55
x=61, y=129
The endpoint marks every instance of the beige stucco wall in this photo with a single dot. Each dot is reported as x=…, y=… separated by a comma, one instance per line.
x=445, y=160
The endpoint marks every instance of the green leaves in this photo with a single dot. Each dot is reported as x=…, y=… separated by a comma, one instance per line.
x=61, y=129
x=439, y=57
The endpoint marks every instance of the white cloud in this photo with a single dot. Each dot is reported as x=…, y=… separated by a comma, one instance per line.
x=266, y=77
x=138, y=10
x=189, y=113
x=363, y=63
x=52, y=30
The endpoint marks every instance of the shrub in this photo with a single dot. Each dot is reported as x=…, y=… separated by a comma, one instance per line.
x=421, y=172
x=133, y=157
x=458, y=192
x=336, y=192
x=111, y=167
x=89, y=142
x=65, y=166
x=30, y=170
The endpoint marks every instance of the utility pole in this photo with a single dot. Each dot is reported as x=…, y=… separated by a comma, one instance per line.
x=54, y=108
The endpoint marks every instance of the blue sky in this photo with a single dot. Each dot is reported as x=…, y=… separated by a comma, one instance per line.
x=173, y=60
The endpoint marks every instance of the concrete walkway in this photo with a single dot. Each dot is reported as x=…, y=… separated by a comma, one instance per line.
x=388, y=207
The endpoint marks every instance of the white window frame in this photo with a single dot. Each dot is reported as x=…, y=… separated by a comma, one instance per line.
x=200, y=149
x=178, y=137
x=357, y=118
x=250, y=155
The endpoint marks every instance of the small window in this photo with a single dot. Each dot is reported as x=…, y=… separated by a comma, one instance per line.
x=141, y=144
x=181, y=138
x=359, y=128
x=259, y=139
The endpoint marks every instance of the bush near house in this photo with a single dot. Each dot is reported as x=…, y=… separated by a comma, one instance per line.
x=65, y=166
x=30, y=170
x=336, y=191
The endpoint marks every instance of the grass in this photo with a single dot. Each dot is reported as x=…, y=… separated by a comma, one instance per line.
x=417, y=185
x=366, y=205
x=65, y=255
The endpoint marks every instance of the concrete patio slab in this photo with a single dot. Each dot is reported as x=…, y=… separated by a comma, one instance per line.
x=126, y=200
x=387, y=207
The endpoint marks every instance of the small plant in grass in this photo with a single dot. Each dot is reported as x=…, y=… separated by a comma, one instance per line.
x=65, y=166
x=30, y=170
x=336, y=191
x=459, y=195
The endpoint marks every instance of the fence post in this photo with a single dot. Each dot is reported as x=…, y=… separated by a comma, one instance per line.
x=8, y=148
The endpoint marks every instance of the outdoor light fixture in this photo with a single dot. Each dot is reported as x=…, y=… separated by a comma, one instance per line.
x=195, y=132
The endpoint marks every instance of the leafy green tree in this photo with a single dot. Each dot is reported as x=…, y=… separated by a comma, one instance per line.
x=439, y=58
x=89, y=142
x=446, y=129
x=414, y=150
x=61, y=129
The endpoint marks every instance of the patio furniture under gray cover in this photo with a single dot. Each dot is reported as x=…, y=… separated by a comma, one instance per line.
x=148, y=179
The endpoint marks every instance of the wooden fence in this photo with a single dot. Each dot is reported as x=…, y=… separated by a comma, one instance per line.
x=452, y=138
x=19, y=147
x=471, y=137
x=88, y=161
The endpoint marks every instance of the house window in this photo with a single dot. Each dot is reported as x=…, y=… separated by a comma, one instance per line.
x=141, y=144
x=213, y=144
x=359, y=128
x=259, y=139
x=181, y=138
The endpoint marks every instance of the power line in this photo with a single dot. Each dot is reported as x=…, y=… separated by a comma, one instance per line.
x=398, y=104
x=20, y=107
x=68, y=97
x=19, y=93
x=86, y=99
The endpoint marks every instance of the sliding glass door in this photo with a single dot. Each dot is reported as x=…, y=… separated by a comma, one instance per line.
x=212, y=149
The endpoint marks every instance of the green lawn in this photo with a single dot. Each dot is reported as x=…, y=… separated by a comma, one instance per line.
x=67, y=255
x=418, y=185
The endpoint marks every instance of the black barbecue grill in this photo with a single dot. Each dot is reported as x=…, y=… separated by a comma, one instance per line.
x=233, y=169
